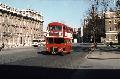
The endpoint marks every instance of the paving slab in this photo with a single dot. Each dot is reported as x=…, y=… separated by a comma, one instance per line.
x=103, y=55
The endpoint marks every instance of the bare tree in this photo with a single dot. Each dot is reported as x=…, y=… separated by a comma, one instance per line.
x=96, y=7
x=102, y=4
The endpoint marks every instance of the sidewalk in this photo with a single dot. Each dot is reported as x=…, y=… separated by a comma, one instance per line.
x=21, y=47
x=103, y=55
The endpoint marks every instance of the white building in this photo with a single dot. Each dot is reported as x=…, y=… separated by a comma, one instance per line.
x=19, y=27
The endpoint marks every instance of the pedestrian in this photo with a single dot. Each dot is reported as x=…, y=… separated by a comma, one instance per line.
x=3, y=45
x=23, y=44
x=111, y=44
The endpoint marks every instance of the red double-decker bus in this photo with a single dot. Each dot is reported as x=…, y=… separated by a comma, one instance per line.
x=59, y=38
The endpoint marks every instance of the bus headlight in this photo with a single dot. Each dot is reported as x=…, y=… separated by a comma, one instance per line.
x=60, y=49
x=60, y=34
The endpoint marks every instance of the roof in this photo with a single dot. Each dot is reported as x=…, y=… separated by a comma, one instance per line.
x=55, y=23
x=58, y=24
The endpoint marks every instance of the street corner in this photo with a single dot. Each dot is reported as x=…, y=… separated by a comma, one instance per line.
x=103, y=55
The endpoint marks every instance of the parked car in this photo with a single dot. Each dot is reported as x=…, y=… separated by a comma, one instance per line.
x=35, y=42
x=38, y=42
x=42, y=42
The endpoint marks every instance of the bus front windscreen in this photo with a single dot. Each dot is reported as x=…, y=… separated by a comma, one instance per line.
x=57, y=28
x=55, y=40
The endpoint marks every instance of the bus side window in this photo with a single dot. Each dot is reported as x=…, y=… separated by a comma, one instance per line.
x=65, y=41
x=64, y=28
x=53, y=28
x=70, y=41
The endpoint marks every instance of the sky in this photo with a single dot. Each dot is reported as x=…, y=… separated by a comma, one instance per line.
x=70, y=12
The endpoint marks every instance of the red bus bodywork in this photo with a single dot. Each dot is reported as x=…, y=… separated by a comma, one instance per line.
x=58, y=38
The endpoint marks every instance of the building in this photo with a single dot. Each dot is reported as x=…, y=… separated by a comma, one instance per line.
x=112, y=27
x=77, y=35
x=19, y=27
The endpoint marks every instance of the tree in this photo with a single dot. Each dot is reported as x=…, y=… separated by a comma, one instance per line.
x=96, y=7
x=118, y=4
x=102, y=5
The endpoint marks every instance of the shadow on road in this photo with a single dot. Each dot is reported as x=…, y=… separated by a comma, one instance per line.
x=74, y=50
x=46, y=53
x=109, y=49
x=14, y=71
x=79, y=49
x=42, y=52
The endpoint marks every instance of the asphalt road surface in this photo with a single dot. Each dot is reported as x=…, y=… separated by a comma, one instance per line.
x=72, y=60
x=58, y=67
x=75, y=60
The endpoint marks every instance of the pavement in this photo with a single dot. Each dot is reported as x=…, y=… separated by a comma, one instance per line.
x=98, y=54
x=15, y=54
x=21, y=47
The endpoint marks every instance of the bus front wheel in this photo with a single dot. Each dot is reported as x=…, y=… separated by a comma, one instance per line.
x=68, y=52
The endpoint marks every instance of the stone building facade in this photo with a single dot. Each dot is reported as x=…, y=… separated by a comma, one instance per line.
x=19, y=27
x=112, y=20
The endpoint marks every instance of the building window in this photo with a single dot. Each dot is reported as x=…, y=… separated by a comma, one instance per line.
x=116, y=37
x=115, y=21
x=115, y=28
x=20, y=40
x=110, y=29
x=109, y=21
x=109, y=38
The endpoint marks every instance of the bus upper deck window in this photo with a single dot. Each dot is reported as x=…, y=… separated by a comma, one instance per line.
x=58, y=27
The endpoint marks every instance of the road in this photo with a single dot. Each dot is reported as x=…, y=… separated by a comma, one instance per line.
x=70, y=66
x=74, y=60
x=71, y=61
